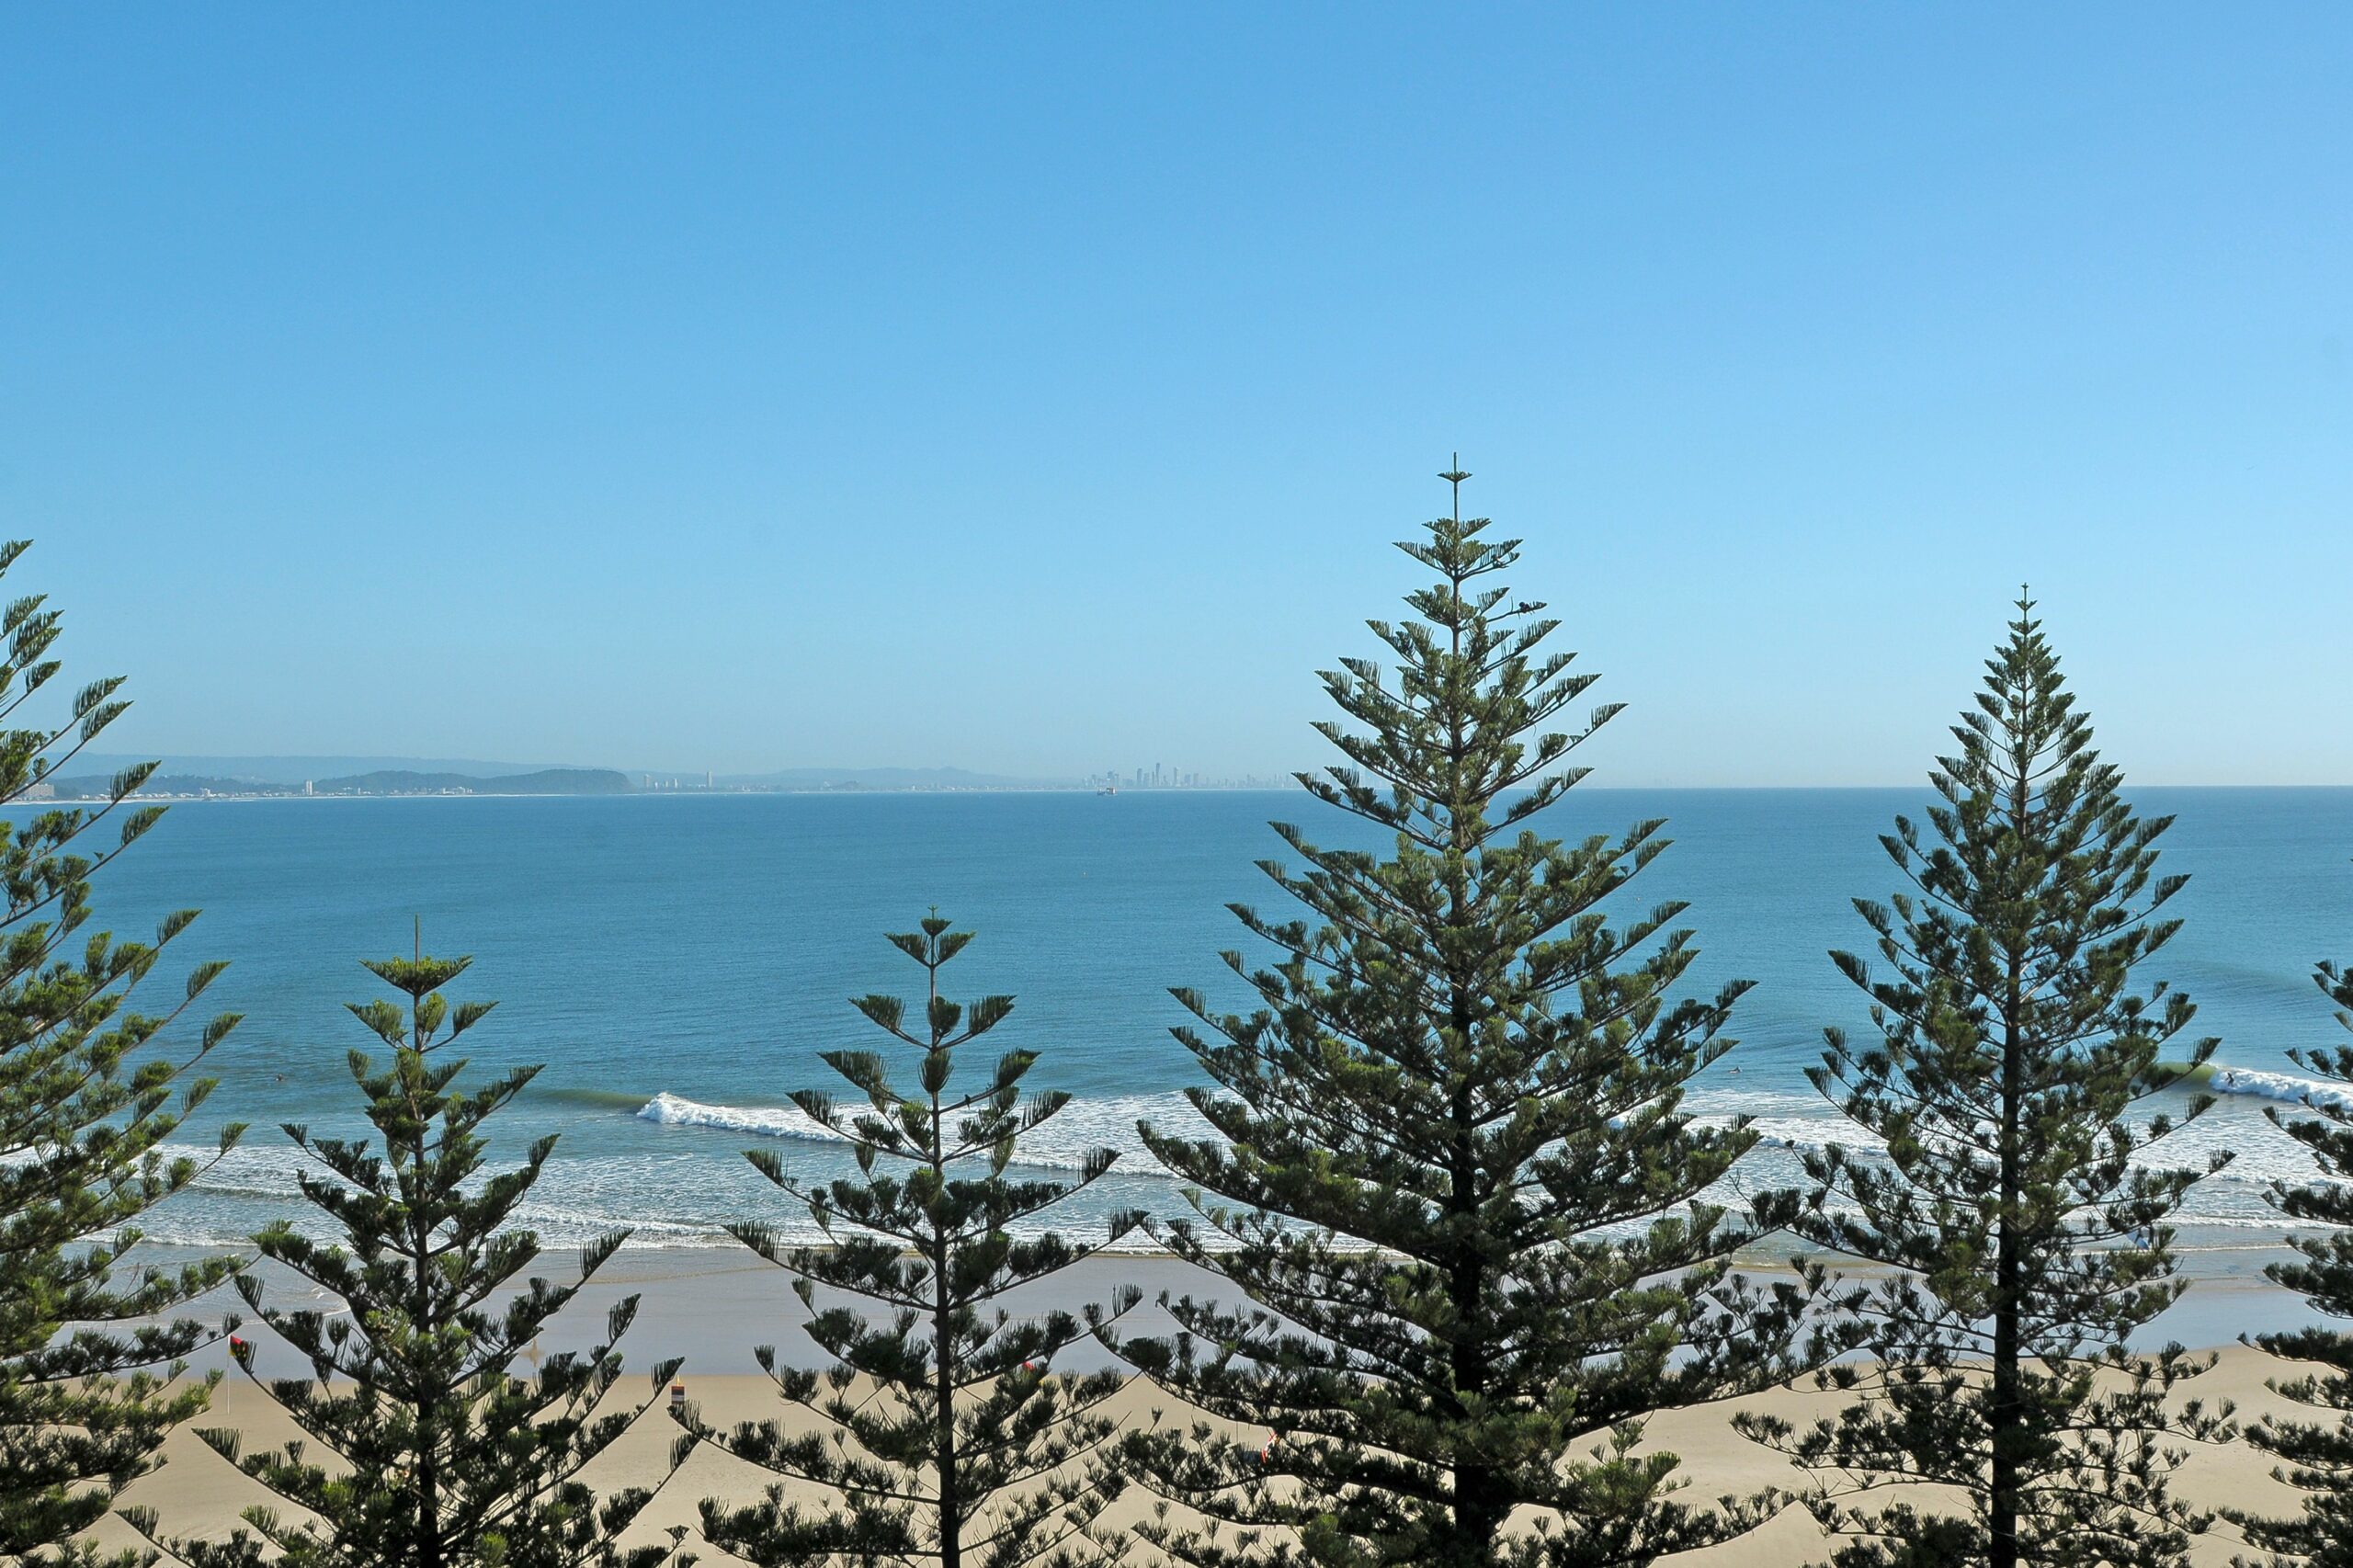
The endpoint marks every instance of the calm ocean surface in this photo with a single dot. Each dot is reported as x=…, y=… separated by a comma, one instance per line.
x=678, y=962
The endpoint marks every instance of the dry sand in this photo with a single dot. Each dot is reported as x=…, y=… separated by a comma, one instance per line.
x=720, y=1305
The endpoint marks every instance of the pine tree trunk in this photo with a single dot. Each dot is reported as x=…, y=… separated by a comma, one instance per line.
x=951, y=1545
x=952, y=1525
x=428, y=1474
x=1481, y=1502
x=1482, y=1499
x=2008, y=1416
x=428, y=1512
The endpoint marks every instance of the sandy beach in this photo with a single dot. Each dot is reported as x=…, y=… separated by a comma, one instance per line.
x=713, y=1305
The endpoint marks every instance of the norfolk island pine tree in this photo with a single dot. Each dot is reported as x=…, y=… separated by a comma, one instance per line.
x=422, y=1447
x=946, y=1437
x=2025, y=1240
x=89, y=1099
x=2316, y=1455
x=1453, y=1174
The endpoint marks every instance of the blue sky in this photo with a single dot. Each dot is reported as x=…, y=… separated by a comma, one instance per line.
x=1036, y=389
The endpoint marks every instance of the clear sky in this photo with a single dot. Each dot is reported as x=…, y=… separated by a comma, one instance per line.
x=1036, y=389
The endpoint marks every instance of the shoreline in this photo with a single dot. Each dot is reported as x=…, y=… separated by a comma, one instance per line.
x=713, y=1306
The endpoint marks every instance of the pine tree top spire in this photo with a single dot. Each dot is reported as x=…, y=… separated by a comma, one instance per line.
x=2024, y=627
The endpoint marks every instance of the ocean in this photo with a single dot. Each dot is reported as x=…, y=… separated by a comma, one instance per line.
x=678, y=962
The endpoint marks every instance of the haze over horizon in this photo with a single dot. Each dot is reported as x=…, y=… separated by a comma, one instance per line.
x=1038, y=394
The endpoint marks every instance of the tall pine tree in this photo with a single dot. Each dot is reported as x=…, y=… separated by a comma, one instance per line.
x=2027, y=1232
x=2316, y=1456
x=952, y=1440
x=89, y=1099
x=1453, y=1171
x=425, y=1446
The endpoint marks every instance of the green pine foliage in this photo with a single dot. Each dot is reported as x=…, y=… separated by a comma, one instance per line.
x=1453, y=1174
x=2025, y=1229
x=2316, y=1456
x=90, y=1097
x=952, y=1440
x=425, y=1446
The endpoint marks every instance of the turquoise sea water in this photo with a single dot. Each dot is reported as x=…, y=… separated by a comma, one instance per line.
x=679, y=961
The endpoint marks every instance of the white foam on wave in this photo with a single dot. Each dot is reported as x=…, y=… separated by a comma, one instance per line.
x=577, y=1199
x=1062, y=1142
x=668, y=1110
x=2282, y=1087
x=1789, y=1125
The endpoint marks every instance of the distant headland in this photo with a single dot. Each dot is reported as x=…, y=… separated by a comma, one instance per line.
x=376, y=781
x=256, y=778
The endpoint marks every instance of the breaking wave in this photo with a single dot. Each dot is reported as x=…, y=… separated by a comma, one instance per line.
x=2282, y=1087
x=1085, y=1124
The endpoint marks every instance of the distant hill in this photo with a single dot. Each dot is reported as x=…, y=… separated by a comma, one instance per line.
x=100, y=786
x=546, y=782
x=295, y=769
x=270, y=775
x=382, y=781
